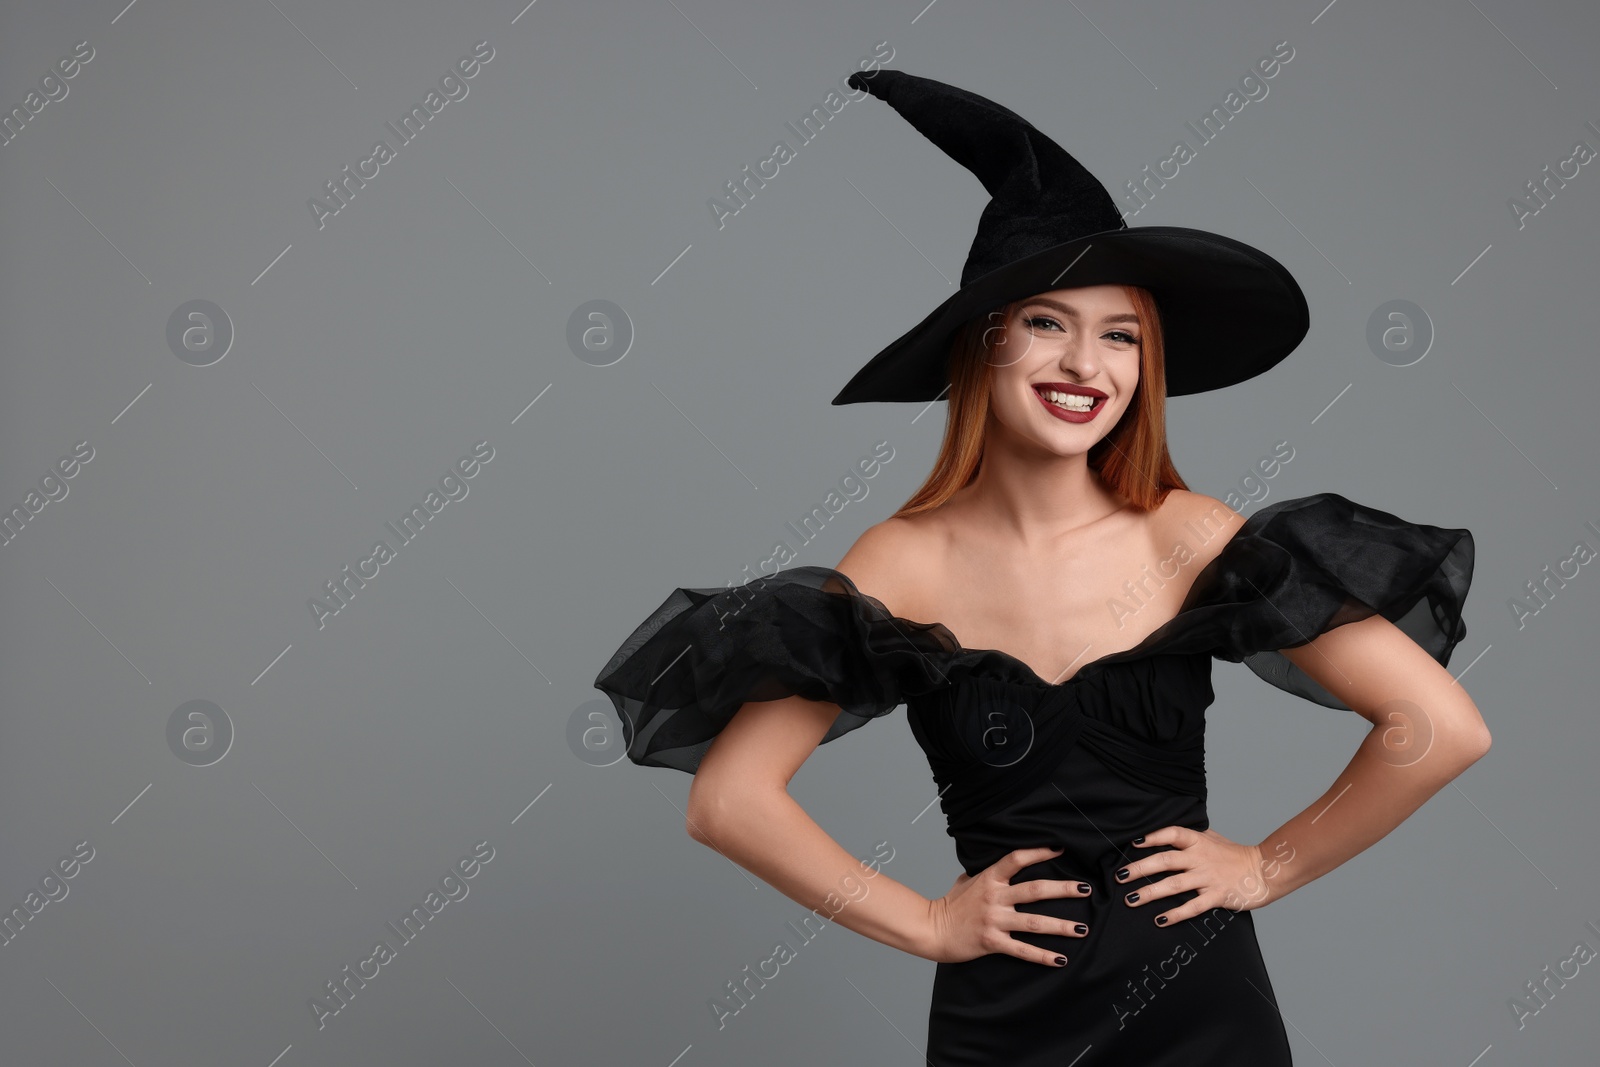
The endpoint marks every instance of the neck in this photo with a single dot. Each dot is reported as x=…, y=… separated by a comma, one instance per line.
x=1036, y=496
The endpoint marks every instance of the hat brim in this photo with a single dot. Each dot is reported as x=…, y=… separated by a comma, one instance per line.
x=1228, y=311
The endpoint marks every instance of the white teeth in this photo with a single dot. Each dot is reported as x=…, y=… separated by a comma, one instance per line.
x=1070, y=401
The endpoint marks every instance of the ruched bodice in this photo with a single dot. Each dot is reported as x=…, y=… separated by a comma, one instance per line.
x=1087, y=764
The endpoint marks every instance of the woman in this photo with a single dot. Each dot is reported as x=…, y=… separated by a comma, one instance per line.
x=1098, y=919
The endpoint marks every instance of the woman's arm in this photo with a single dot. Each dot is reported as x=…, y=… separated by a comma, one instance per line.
x=1426, y=731
x=740, y=806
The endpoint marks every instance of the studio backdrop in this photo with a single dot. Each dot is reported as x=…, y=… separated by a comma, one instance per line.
x=370, y=370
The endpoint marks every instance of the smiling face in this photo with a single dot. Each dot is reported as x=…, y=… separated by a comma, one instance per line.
x=1065, y=367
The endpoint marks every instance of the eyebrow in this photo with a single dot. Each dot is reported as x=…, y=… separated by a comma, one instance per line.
x=1064, y=308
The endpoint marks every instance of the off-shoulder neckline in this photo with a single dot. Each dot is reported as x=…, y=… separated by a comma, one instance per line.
x=1145, y=647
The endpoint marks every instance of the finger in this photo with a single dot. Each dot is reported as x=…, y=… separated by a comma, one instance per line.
x=1041, y=888
x=1169, y=886
x=1030, y=922
x=1012, y=862
x=1176, y=836
x=1002, y=942
x=1198, y=906
x=1159, y=889
x=1168, y=860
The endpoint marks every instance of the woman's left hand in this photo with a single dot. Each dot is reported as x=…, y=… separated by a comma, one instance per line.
x=1225, y=873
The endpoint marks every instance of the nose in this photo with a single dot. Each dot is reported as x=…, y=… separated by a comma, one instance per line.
x=1078, y=359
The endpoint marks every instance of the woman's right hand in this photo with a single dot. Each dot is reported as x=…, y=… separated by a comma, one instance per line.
x=978, y=914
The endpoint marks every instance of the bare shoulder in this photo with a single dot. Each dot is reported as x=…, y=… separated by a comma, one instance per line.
x=1201, y=523
x=887, y=559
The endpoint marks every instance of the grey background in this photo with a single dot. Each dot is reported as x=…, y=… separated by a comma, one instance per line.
x=370, y=755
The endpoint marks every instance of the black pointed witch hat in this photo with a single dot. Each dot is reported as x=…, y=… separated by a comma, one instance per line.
x=1228, y=311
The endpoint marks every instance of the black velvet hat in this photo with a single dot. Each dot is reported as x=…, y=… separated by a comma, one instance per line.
x=1228, y=311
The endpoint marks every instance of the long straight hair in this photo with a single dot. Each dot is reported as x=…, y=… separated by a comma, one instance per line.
x=1132, y=459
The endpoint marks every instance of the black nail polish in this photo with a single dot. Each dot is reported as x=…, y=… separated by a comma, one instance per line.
x=1083, y=887
x=1161, y=920
x=1133, y=898
x=1080, y=928
x=1138, y=840
x=1061, y=961
x=1122, y=874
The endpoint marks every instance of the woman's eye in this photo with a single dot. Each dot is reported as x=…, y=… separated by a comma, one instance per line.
x=1124, y=336
x=1036, y=320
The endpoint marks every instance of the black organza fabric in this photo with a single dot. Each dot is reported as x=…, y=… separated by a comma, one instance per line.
x=1085, y=765
x=1293, y=570
x=807, y=631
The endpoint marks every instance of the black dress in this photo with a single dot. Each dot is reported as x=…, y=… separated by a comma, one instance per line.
x=1087, y=764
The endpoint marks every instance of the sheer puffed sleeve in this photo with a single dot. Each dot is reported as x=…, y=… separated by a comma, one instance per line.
x=1305, y=565
x=807, y=631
